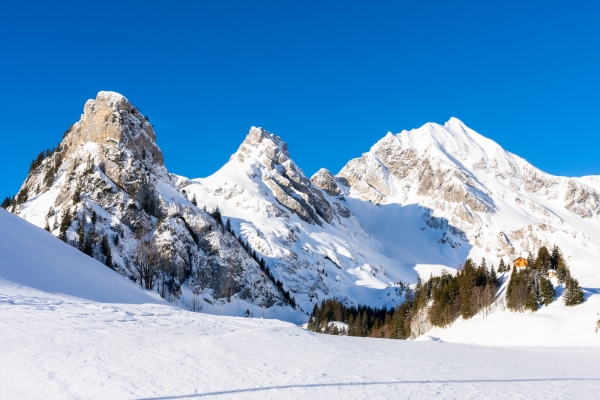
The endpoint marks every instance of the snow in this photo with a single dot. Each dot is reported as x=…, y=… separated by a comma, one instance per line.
x=34, y=258
x=57, y=347
x=73, y=329
x=362, y=258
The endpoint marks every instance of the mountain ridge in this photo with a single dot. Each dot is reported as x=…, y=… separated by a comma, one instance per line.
x=416, y=203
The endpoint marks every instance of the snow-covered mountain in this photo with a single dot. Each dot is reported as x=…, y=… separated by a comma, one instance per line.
x=479, y=199
x=418, y=202
x=105, y=187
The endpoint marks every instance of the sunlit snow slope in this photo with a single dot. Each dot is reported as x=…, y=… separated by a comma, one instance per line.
x=32, y=258
x=68, y=349
x=420, y=201
x=473, y=197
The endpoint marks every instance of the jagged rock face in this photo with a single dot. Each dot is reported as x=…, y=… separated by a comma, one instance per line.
x=307, y=235
x=288, y=183
x=494, y=200
x=417, y=201
x=112, y=119
x=326, y=181
x=108, y=174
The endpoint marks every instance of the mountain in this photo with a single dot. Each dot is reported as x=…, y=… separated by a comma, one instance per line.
x=476, y=196
x=105, y=190
x=260, y=237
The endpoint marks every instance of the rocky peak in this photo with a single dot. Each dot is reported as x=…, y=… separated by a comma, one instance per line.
x=111, y=119
x=326, y=181
x=292, y=189
x=268, y=148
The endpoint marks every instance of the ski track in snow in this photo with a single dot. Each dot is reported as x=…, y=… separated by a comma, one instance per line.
x=62, y=347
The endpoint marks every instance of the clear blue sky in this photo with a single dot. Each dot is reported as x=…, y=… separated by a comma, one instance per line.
x=331, y=78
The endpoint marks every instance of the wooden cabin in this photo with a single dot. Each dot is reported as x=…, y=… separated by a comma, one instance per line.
x=520, y=263
x=551, y=273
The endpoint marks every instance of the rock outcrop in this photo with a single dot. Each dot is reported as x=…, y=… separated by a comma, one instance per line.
x=105, y=187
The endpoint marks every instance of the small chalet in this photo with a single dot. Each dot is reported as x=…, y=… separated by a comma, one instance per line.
x=520, y=263
x=551, y=273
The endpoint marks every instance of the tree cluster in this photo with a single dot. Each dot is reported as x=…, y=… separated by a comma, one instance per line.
x=6, y=202
x=440, y=299
x=36, y=162
x=361, y=320
x=529, y=288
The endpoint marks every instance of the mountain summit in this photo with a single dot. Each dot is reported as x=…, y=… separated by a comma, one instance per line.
x=258, y=236
x=105, y=190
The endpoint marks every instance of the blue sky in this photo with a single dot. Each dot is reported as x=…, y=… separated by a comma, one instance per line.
x=330, y=78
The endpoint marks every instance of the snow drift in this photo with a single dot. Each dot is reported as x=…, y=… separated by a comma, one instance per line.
x=32, y=258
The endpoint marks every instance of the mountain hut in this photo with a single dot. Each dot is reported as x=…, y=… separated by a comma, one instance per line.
x=520, y=263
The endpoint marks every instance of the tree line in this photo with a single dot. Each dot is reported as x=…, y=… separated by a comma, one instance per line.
x=442, y=299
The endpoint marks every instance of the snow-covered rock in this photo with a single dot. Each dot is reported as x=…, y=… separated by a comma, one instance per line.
x=108, y=175
x=418, y=202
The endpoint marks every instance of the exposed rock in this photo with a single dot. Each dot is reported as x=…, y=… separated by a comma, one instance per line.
x=326, y=181
x=108, y=173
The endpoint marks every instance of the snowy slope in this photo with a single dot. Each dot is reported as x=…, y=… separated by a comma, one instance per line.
x=473, y=197
x=31, y=259
x=310, y=240
x=552, y=325
x=417, y=203
x=420, y=201
x=67, y=349
x=106, y=186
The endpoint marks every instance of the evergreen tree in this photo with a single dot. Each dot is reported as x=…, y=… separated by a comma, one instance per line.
x=76, y=195
x=547, y=291
x=531, y=303
x=81, y=234
x=493, y=276
x=194, y=202
x=502, y=266
x=64, y=225
x=228, y=225
x=530, y=260
x=543, y=261
x=216, y=214
x=467, y=281
x=573, y=293
x=106, y=252
x=6, y=202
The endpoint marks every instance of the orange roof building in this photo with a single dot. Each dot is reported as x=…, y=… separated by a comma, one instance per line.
x=520, y=262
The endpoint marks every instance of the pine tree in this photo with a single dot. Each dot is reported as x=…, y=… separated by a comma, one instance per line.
x=502, y=266
x=543, y=261
x=76, y=195
x=573, y=292
x=64, y=225
x=547, y=291
x=493, y=276
x=467, y=281
x=530, y=260
x=228, y=225
x=531, y=303
x=81, y=234
x=194, y=202
x=6, y=202
x=106, y=251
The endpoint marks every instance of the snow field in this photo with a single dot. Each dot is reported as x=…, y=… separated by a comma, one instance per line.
x=63, y=348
